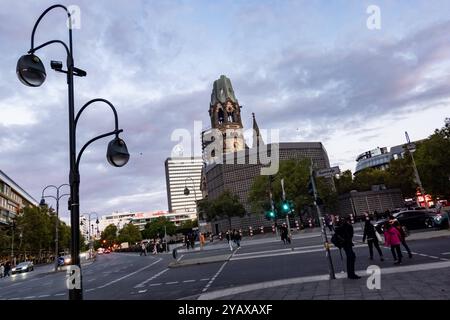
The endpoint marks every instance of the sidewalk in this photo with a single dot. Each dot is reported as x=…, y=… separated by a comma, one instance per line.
x=417, y=282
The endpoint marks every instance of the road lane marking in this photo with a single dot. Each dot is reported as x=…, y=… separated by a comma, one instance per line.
x=14, y=299
x=238, y=256
x=204, y=279
x=155, y=284
x=445, y=253
x=140, y=285
x=44, y=296
x=180, y=257
x=30, y=297
x=129, y=275
x=186, y=281
x=89, y=290
x=60, y=294
x=90, y=280
x=277, y=283
x=218, y=272
x=172, y=282
x=142, y=291
x=423, y=255
x=433, y=257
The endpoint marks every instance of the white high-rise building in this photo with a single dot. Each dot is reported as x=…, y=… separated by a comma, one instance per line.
x=182, y=173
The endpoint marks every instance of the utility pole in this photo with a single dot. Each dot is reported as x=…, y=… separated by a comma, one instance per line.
x=287, y=215
x=416, y=173
x=271, y=204
x=322, y=225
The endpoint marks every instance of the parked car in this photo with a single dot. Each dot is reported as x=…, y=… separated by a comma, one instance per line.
x=416, y=219
x=23, y=267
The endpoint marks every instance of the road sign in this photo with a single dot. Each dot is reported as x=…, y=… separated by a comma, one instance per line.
x=328, y=172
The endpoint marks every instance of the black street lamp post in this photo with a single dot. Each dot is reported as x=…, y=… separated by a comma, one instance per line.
x=57, y=198
x=31, y=72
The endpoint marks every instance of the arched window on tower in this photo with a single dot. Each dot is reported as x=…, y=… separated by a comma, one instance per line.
x=221, y=116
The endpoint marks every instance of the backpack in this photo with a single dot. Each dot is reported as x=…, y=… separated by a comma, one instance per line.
x=337, y=240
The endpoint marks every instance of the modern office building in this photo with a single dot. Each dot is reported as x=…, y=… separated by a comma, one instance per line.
x=12, y=199
x=183, y=173
x=379, y=158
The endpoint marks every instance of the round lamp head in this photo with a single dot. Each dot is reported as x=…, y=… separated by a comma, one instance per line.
x=42, y=203
x=186, y=191
x=30, y=70
x=97, y=222
x=117, y=153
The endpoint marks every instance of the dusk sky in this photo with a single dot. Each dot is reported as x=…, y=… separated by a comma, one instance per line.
x=312, y=69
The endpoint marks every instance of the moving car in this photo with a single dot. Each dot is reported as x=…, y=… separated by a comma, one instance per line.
x=416, y=219
x=23, y=267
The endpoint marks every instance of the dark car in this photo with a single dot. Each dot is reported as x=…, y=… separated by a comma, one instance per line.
x=416, y=219
x=23, y=267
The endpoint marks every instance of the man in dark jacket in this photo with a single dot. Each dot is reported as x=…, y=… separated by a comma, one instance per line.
x=345, y=231
x=372, y=240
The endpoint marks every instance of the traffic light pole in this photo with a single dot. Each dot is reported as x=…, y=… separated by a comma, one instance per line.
x=322, y=226
x=271, y=204
x=287, y=217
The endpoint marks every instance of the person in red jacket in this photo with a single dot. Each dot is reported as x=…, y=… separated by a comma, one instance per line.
x=393, y=239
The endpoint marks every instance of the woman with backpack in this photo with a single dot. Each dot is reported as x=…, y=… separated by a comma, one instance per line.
x=392, y=238
x=372, y=240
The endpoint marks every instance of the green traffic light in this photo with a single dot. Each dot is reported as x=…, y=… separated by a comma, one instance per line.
x=285, y=207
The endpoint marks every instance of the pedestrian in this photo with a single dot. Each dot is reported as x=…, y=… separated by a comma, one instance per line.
x=237, y=238
x=192, y=240
x=398, y=226
x=345, y=233
x=284, y=233
x=143, y=249
x=2, y=270
x=229, y=237
x=329, y=222
x=392, y=238
x=202, y=240
x=186, y=241
x=7, y=268
x=372, y=240
x=211, y=239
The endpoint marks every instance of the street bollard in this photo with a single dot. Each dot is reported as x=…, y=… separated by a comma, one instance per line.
x=262, y=229
x=273, y=228
x=310, y=223
x=240, y=232
x=352, y=220
x=250, y=231
x=297, y=226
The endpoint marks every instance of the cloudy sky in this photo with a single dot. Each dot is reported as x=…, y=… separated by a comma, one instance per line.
x=312, y=69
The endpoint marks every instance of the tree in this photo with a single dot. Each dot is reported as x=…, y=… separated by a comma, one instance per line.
x=296, y=174
x=344, y=184
x=156, y=228
x=432, y=160
x=366, y=178
x=129, y=233
x=226, y=206
x=401, y=175
x=187, y=225
x=109, y=235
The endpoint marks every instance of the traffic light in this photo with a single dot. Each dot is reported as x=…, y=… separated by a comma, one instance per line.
x=286, y=207
x=271, y=215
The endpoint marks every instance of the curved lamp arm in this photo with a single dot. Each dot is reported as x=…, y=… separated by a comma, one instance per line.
x=115, y=132
x=49, y=186
x=39, y=20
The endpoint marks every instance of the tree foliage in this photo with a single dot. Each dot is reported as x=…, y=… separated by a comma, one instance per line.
x=155, y=228
x=129, y=233
x=109, y=235
x=225, y=206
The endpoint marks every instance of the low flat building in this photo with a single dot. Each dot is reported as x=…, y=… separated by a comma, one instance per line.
x=357, y=203
x=140, y=219
x=12, y=199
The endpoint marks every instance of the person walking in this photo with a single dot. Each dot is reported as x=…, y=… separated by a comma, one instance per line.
x=7, y=269
x=202, y=240
x=2, y=270
x=237, y=238
x=143, y=249
x=372, y=240
x=392, y=238
x=345, y=232
x=229, y=237
x=284, y=233
x=398, y=226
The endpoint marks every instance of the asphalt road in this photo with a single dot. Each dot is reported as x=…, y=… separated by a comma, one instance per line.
x=130, y=276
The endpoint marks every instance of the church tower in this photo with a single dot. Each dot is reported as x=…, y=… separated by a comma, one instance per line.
x=225, y=114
